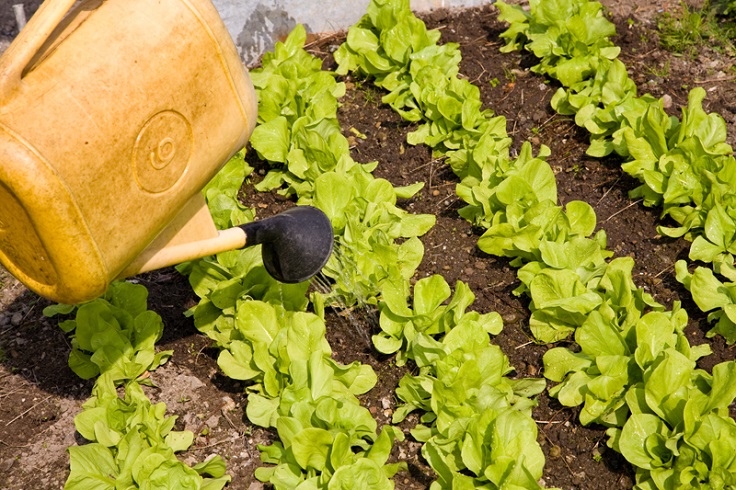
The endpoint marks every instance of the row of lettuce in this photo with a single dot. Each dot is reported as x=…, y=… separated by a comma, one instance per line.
x=684, y=165
x=132, y=443
x=462, y=386
x=635, y=371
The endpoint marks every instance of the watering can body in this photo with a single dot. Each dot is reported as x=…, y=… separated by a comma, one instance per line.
x=113, y=116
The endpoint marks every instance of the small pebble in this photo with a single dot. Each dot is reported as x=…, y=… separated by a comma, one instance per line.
x=509, y=318
x=228, y=404
x=666, y=101
x=213, y=421
x=16, y=318
x=579, y=478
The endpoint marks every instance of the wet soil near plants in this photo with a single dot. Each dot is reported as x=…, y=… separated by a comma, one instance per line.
x=39, y=395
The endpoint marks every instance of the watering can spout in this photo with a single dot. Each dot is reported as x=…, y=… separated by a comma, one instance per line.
x=113, y=116
x=296, y=244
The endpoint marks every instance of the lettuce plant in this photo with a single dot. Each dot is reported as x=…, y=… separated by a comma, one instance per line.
x=712, y=295
x=310, y=399
x=298, y=133
x=114, y=335
x=568, y=36
x=221, y=193
x=477, y=430
x=132, y=445
x=376, y=241
x=410, y=331
x=680, y=434
x=615, y=352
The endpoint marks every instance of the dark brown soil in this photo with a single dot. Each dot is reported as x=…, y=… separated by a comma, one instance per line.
x=39, y=395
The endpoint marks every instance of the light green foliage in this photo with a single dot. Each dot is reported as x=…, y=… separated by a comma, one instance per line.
x=381, y=46
x=309, y=398
x=681, y=164
x=368, y=225
x=395, y=48
x=450, y=107
x=684, y=165
x=114, y=335
x=221, y=194
x=712, y=295
x=569, y=37
x=300, y=135
x=680, y=434
x=515, y=200
x=298, y=129
x=477, y=429
x=267, y=344
x=411, y=331
x=561, y=265
x=296, y=387
x=226, y=279
x=132, y=445
x=482, y=419
x=635, y=371
x=501, y=194
x=617, y=346
x=319, y=458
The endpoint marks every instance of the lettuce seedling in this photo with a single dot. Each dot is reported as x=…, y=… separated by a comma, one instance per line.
x=410, y=331
x=221, y=194
x=680, y=433
x=713, y=296
x=133, y=445
x=478, y=432
x=114, y=335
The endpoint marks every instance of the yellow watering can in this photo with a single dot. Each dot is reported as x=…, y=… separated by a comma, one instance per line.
x=113, y=116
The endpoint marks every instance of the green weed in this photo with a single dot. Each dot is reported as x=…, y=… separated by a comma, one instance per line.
x=686, y=29
x=660, y=71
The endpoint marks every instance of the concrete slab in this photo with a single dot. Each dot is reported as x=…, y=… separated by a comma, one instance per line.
x=257, y=25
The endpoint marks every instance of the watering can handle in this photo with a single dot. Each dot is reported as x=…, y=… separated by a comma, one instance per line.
x=29, y=42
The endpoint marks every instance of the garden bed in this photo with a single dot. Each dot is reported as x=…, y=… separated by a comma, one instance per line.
x=39, y=395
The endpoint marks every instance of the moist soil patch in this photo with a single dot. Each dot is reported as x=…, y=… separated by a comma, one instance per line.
x=39, y=395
